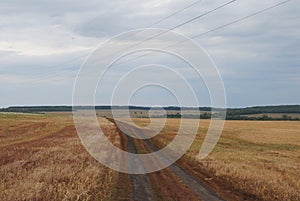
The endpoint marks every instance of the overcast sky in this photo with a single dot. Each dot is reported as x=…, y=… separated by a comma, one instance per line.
x=43, y=44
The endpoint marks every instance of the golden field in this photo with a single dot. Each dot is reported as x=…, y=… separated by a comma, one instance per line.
x=260, y=159
x=41, y=158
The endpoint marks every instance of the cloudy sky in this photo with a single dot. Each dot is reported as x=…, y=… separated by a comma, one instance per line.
x=44, y=43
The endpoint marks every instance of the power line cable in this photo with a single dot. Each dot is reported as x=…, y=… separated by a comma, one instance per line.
x=242, y=19
x=209, y=31
x=202, y=15
x=216, y=28
x=175, y=27
x=184, y=23
x=179, y=25
x=167, y=17
x=175, y=13
x=153, y=24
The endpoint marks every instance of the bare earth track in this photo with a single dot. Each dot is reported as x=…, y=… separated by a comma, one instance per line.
x=178, y=183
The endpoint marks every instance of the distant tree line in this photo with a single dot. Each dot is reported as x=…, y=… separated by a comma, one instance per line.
x=37, y=109
x=33, y=109
x=231, y=117
x=241, y=113
x=232, y=113
x=264, y=109
x=262, y=118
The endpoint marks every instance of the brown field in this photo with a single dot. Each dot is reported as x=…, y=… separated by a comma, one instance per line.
x=258, y=158
x=41, y=158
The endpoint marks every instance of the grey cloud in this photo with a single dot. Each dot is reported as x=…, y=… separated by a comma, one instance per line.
x=50, y=39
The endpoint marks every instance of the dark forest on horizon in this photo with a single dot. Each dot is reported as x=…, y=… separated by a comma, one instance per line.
x=231, y=113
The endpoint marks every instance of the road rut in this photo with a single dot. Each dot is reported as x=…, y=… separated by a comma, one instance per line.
x=143, y=189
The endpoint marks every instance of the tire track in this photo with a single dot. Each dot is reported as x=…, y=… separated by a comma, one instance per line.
x=141, y=184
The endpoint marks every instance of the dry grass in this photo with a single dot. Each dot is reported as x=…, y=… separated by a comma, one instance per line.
x=41, y=158
x=258, y=159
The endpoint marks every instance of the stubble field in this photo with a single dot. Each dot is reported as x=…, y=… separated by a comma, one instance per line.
x=260, y=159
x=41, y=158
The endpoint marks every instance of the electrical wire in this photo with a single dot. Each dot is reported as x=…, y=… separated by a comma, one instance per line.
x=216, y=28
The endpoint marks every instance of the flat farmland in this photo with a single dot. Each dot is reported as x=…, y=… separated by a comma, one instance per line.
x=42, y=158
x=260, y=159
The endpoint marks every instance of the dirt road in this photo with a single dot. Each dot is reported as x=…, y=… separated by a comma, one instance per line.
x=141, y=185
x=172, y=183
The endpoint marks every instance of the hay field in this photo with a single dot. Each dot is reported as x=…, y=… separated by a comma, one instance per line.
x=41, y=158
x=260, y=159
